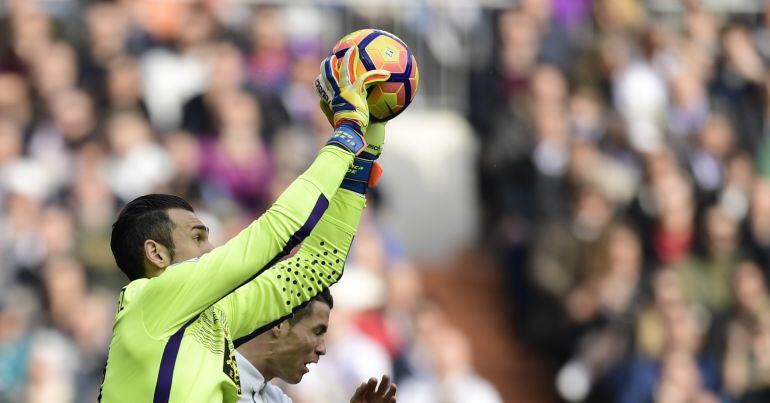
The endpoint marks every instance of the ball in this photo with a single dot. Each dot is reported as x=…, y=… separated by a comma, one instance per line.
x=381, y=50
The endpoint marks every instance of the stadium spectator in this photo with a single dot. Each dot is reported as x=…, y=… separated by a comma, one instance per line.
x=599, y=123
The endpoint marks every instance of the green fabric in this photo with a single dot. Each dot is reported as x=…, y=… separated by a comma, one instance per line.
x=763, y=157
x=375, y=138
x=707, y=282
x=152, y=310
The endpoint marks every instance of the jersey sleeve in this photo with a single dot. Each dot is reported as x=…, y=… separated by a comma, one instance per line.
x=186, y=289
x=289, y=284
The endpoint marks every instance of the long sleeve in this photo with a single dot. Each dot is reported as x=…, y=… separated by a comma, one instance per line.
x=186, y=289
x=291, y=283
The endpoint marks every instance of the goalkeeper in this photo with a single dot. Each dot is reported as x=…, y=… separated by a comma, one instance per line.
x=188, y=306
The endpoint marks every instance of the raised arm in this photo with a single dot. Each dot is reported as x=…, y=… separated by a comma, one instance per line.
x=187, y=288
x=289, y=284
x=183, y=291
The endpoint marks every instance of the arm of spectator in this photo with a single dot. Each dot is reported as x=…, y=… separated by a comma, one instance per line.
x=736, y=362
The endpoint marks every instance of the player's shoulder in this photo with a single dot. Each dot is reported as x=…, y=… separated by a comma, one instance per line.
x=132, y=291
x=274, y=394
x=135, y=289
x=128, y=297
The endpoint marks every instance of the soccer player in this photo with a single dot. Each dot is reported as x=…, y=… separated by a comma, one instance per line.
x=285, y=350
x=188, y=306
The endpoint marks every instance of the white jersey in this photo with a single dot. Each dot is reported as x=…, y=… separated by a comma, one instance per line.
x=254, y=389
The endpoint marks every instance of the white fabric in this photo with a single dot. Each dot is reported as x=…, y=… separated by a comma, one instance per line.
x=460, y=388
x=641, y=97
x=140, y=171
x=254, y=389
x=168, y=80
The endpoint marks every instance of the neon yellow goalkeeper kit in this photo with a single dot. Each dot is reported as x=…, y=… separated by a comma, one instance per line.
x=174, y=335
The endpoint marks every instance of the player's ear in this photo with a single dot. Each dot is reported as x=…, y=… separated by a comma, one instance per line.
x=157, y=255
x=280, y=329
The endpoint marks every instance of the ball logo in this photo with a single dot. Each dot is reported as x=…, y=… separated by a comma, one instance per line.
x=389, y=53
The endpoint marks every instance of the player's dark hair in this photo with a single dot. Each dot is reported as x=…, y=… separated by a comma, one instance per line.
x=324, y=297
x=145, y=217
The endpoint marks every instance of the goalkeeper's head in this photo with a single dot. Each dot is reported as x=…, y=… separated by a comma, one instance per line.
x=155, y=231
x=285, y=350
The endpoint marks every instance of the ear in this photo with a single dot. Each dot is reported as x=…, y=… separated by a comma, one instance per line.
x=158, y=257
x=280, y=329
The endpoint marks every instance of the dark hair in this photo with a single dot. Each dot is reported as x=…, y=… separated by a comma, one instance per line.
x=324, y=297
x=145, y=217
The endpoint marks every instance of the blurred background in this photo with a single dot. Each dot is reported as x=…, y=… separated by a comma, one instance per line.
x=575, y=208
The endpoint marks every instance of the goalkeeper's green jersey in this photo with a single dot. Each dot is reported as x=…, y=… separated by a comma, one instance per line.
x=174, y=335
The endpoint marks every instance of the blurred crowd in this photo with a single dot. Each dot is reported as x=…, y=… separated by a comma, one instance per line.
x=103, y=101
x=625, y=170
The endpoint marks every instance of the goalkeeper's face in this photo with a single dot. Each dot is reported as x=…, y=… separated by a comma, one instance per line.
x=190, y=236
x=300, y=344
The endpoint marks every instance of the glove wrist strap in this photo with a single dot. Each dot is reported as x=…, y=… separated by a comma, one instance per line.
x=367, y=155
x=348, y=135
x=362, y=174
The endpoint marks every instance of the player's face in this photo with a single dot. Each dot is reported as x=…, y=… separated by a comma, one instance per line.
x=305, y=342
x=191, y=237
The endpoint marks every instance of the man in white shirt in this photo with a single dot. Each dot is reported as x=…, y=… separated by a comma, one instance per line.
x=285, y=350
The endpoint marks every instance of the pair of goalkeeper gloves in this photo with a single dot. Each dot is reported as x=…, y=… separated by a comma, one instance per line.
x=343, y=95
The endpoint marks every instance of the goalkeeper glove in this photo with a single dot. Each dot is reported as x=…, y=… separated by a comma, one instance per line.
x=343, y=99
x=365, y=172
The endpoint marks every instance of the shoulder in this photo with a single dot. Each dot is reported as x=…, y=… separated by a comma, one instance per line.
x=274, y=394
x=133, y=291
x=130, y=296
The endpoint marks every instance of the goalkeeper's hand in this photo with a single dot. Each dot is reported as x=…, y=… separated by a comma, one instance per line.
x=343, y=100
x=374, y=135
